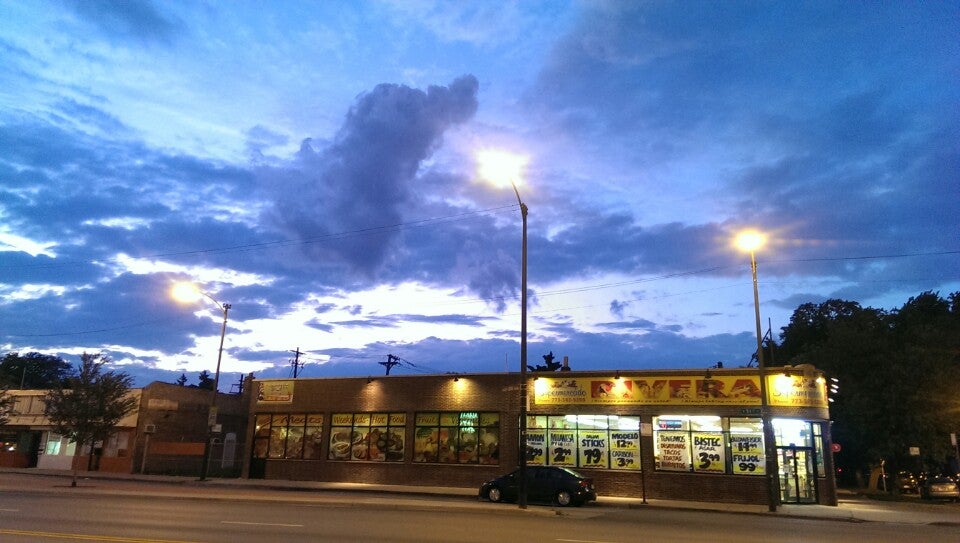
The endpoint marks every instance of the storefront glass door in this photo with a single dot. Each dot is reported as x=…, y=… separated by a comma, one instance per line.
x=798, y=478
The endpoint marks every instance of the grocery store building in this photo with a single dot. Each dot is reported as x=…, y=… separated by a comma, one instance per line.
x=669, y=434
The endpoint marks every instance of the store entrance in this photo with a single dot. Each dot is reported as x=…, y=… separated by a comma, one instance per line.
x=798, y=477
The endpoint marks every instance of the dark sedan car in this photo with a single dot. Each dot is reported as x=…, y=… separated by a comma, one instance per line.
x=546, y=484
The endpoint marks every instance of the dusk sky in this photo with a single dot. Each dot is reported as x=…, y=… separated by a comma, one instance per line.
x=315, y=165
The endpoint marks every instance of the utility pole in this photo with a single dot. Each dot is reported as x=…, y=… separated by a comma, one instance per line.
x=296, y=362
x=391, y=362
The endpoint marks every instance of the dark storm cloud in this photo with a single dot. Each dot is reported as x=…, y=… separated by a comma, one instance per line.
x=129, y=20
x=363, y=179
x=395, y=321
x=598, y=243
x=587, y=351
x=861, y=127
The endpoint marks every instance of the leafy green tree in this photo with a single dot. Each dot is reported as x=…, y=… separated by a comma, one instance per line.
x=897, y=372
x=88, y=407
x=33, y=370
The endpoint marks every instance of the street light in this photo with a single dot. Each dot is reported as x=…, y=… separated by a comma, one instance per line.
x=188, y=293
x=750, y=241
x=498, y=167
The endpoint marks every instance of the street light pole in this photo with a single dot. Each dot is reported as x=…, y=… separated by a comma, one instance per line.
x=770, y=450
x=497, y=167
x=522, y=498
x=188, y=292
x=212, y=415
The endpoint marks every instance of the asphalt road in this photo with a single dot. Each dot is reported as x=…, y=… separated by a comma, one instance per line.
x=124, y=515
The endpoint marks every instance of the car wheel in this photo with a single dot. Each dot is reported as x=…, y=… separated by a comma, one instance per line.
x=563, y=498
x=494, y=494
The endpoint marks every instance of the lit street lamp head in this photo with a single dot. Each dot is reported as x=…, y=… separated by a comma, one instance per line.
x=501, y=168
x=185, y=292
x=750, y=240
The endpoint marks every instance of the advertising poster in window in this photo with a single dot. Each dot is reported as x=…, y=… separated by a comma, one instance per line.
x=488, y=451
x=563, y=448
x=426, y=444
x=278, y=436
x=674, y=451
x=708, y=453
x=447, y=445
x=746, y=454
x=312, y=437
x=341, y=442
x=593, y=448
x=625, y=449
x=536, y=447
x=467, y=453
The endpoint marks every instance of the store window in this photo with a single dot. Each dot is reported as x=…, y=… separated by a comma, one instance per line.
x=584, y=441
x=747, y=456
x=709, y=444
x=376, y=437
x=59, y=445
x=457, y=437
x=288, y=436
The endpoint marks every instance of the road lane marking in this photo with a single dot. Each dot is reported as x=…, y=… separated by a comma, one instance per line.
x=262, y=524
x=81, y=537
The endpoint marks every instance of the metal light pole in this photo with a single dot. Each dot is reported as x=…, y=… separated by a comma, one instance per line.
x=522, y=498
x=751, y=241
x=212, y=416
x=497, y=167
x=186, y=292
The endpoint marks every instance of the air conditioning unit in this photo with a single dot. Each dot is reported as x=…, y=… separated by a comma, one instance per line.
x=149, y=428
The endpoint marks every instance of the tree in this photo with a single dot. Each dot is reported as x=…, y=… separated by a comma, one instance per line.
x=182, y=380
x=33, y=371
x=88, y=407
x=897, y=373
x=206, y=382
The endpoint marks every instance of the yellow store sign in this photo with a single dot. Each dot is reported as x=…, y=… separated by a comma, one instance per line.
x=783, y=390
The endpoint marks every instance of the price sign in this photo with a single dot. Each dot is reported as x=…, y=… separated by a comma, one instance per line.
x=593, y=449
x=625, y=450
x=562, y=447
x=536, y=446
x=708, y=452
x=746, y=454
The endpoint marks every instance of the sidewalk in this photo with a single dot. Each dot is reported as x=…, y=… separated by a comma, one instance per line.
x=852, y=507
